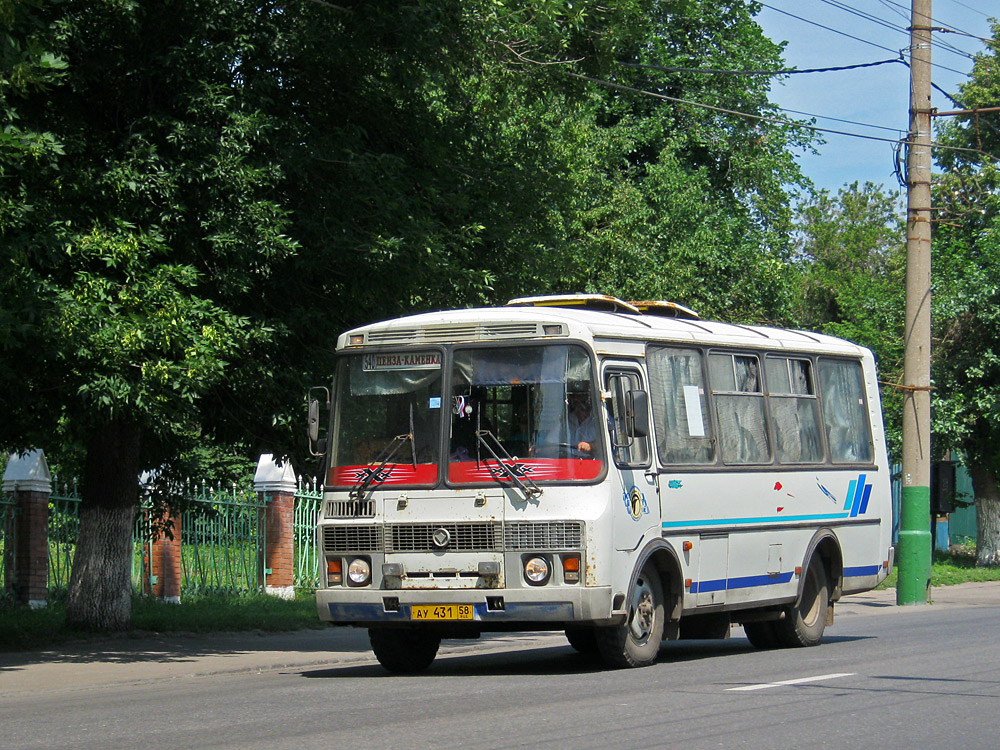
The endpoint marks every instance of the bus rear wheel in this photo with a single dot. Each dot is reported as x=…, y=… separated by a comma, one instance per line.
x=404, y=650
x=636, y=642
x=761, y=634
x=804, y=623
x=582, y=639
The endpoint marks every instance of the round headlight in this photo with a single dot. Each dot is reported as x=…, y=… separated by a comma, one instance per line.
x=359, y=572
x=537, y=570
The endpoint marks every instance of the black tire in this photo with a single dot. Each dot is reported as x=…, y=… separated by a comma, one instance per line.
x=404, y=650
x=761, y=634
x=636, y=642
x=583, y=639
x=804, y=623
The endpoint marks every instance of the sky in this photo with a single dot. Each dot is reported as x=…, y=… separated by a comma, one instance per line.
x=873, y=96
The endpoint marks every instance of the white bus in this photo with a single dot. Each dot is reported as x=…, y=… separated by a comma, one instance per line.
x=625, y=472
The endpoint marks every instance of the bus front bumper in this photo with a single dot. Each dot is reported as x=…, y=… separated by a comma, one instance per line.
x=503, y=607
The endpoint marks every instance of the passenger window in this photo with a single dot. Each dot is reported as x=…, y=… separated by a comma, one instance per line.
x=739, y=408
x=845, y=413
x=680, y=411
x=794, y=410
x=629, y=450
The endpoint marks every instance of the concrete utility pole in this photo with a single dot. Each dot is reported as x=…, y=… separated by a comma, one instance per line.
x=914, y=528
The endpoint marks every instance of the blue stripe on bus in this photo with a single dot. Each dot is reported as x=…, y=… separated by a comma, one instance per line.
x=858, y=494
x=864, y=500
x=701, y=587
x=862, y=570
x=852, y=488
x=759, y=519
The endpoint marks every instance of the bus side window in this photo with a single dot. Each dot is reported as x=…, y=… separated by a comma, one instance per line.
x=844, y=411
x=680, y=410
x=630, y=450
x=794, y=410
x=739, y=407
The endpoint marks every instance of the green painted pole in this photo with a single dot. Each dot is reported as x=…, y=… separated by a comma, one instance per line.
x=914, y=560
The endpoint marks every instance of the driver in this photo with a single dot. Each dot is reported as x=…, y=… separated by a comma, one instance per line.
x=581, y=422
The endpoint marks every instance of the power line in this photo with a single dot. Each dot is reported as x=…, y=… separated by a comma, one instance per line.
x=852, y=36
x=763, y=118
x=788, y=71
x=969, y=7
x=944, y=46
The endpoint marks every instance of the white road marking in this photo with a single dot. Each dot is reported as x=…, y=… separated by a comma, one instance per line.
x=799, y=681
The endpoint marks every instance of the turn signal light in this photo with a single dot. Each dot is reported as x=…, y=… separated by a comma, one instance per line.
x=571, y=569
x=334, y=572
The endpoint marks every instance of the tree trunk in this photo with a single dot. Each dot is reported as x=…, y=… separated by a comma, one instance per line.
x=100, y=587
x=984, y=485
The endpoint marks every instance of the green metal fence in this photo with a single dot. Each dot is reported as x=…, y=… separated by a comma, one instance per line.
x=222, y=538
x=308, y=502
x=64, y=525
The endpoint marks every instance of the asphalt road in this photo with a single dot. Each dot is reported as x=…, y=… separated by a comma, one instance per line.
x=885, y=677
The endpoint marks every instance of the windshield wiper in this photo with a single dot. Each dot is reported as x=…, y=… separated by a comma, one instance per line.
x=373, y=474
x=530, y=489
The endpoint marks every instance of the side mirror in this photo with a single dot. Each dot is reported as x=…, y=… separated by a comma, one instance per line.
x=317, y=446
x=637, y=413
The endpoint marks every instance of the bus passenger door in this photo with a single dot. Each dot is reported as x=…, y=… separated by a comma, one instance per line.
x=636, y=502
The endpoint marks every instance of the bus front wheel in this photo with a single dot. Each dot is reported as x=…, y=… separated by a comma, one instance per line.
x=636, y=642
x=404, y=650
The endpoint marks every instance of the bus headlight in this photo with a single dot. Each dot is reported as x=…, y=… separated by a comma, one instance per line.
x=537, y=571
x=359, y=572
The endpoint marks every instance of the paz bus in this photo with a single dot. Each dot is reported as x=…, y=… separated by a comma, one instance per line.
x=625, y=472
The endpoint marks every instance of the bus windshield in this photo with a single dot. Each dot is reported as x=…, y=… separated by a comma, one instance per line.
x=388, y=410
x=535, y=405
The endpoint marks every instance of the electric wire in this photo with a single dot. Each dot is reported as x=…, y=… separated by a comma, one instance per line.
x=855, y=38
x=765, y=118
x=944, y=46
x=787, y=71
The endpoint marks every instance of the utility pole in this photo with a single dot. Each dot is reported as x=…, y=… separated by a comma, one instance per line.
x=914, y=535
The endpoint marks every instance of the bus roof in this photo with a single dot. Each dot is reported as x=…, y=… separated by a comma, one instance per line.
x=588, y=317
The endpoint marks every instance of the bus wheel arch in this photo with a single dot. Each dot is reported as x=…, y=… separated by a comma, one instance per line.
x=826, y=546
x=652, y=611
x=820, y=583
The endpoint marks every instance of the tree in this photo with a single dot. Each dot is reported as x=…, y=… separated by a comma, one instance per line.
x=238, y=182
x=850, y=267
x=966, y=266
x=131, y=266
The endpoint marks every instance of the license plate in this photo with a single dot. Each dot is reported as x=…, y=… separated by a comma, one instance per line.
x=441, y=612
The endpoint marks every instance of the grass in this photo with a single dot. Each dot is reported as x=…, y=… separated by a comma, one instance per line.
x=958, y=565
x=22, y=628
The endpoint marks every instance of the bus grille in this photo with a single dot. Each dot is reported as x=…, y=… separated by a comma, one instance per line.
x=486, y=536
x=465, y=537
x=352, y=539
x=523, y=535
x=351, y=509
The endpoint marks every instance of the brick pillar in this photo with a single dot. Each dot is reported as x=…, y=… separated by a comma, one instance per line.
x=275, y=485
x=165, y=565
x=28, y=478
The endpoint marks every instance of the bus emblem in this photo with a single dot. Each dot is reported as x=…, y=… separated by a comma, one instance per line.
x=635, y=502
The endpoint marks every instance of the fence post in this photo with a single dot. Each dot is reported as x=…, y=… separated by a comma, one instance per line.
x=165, y=564
x=28, y=478
x=275, y=486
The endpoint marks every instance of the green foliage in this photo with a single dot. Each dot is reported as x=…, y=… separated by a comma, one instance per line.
x=967, y=276
x=850, y=269
x=197, y=195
